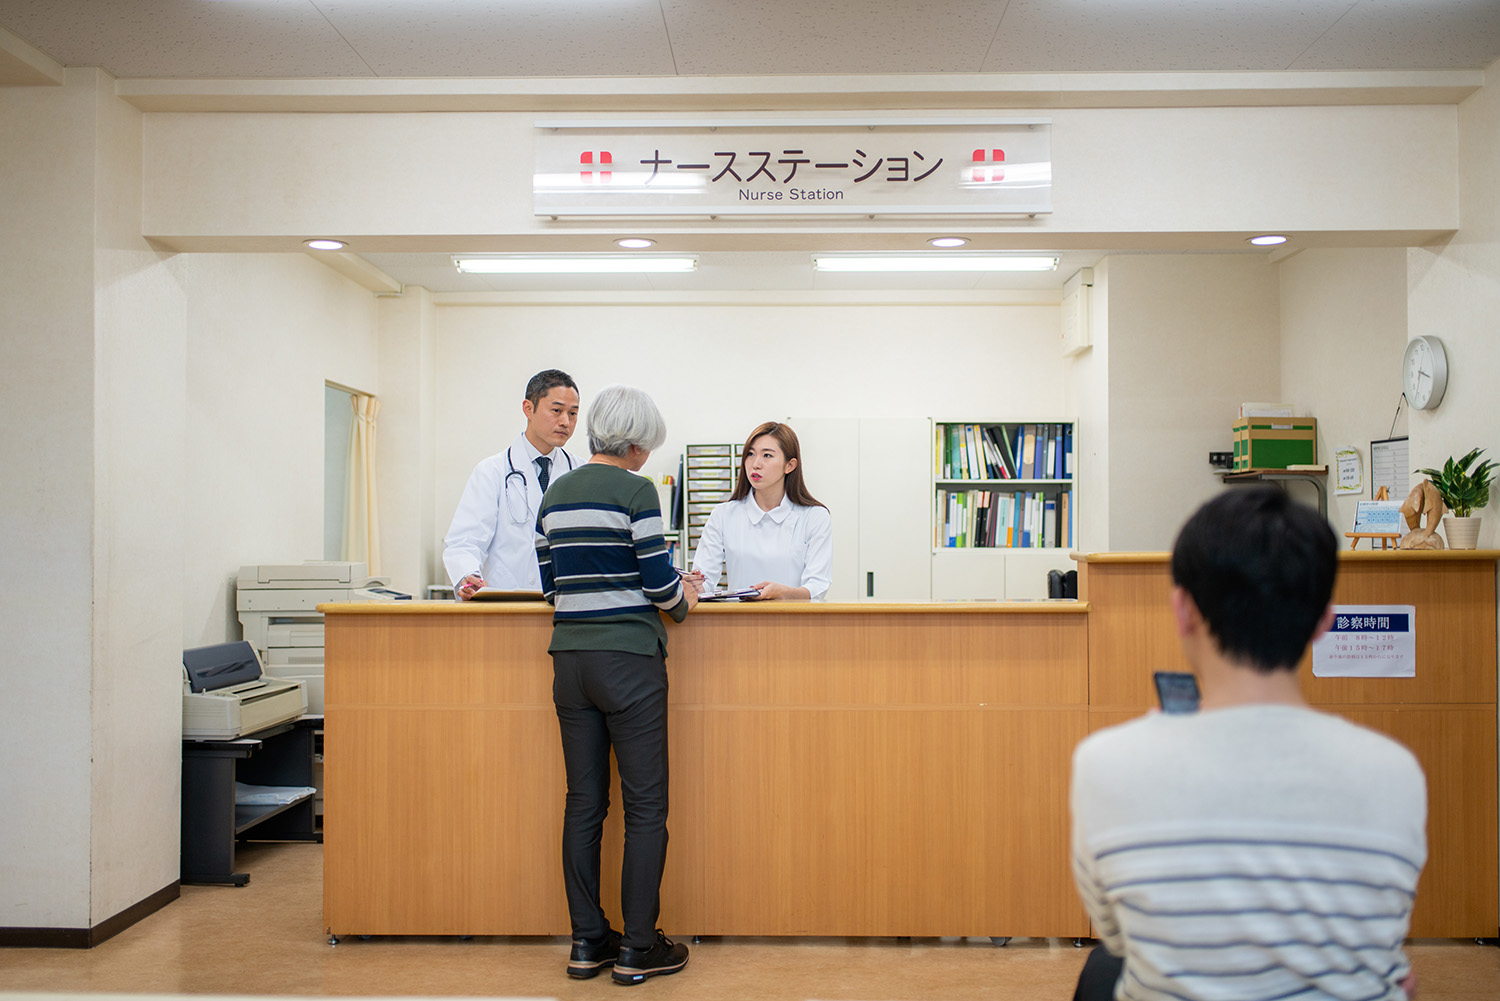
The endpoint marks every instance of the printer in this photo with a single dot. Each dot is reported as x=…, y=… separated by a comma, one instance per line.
x=278, y=608
x=225, y=694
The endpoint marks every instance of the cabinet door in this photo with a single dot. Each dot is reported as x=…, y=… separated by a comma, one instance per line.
x=895, y=508
x=830, y=468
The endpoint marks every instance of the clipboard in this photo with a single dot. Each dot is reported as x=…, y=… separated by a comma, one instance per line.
x=736, y=595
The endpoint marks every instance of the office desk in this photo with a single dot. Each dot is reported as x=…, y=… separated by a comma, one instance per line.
x=837, y=769
x=1445, y=715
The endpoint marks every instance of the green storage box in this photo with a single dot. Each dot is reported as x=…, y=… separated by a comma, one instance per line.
x=1274, y=442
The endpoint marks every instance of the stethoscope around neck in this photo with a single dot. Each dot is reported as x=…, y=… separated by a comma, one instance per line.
x=524, y=515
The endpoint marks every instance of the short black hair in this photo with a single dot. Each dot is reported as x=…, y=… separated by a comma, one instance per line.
x=546, y=380
x=1260, y=567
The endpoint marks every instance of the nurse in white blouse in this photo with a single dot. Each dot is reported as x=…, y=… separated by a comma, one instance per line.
x=773, y=535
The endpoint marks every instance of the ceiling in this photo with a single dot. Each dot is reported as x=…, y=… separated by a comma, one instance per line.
x=369, y=40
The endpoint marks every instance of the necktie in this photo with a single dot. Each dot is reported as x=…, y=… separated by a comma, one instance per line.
x=544, y=476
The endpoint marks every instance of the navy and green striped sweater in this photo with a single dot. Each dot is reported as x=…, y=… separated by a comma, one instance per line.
x=604, y=562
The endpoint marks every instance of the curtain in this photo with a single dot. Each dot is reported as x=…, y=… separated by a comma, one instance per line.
x=361, y=516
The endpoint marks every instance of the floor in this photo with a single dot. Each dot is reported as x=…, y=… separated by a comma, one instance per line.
x=267, y=938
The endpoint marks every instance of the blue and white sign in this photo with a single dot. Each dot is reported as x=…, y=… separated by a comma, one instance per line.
x=786, y=167
x=1368, y=641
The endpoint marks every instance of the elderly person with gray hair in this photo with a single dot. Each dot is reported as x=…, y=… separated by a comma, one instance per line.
x=605, y=567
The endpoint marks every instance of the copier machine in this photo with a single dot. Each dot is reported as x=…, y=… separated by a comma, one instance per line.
x=278, y=608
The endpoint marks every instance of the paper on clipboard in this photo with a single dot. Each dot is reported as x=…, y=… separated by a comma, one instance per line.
x=743, y=592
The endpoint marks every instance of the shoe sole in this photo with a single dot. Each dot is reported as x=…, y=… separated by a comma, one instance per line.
x=630, y=975
x=587, y=971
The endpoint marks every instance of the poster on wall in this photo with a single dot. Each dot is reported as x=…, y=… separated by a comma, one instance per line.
x=1349, y=470
x=1389, y=468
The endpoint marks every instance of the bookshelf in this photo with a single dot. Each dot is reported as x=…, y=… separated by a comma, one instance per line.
x=709, y=474
x=1004, y=506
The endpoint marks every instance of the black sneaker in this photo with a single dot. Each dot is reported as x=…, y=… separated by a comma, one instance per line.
x=664, y=956
x=588, y=959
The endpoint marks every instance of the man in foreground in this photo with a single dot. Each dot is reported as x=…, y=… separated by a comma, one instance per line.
x=1255, y=849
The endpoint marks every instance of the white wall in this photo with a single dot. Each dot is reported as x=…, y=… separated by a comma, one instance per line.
x=1343, y=331
x=1454, y=294
x=217, y=177
x=46, y=499
x=407, y=441
x=717, y=371
x=1086, y=397
x=264, y=334
x=1191, y=336
x=140, y=337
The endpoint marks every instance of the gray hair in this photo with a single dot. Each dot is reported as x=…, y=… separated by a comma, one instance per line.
x=621, y=416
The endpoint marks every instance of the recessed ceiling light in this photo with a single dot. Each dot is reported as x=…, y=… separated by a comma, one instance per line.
x=558, y=264
x=934, y=262
x=1269, y=240
x=635, y=243
x=948, y=241
x=325, y=244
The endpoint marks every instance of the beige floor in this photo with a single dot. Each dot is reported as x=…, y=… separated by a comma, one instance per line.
x=267, y=938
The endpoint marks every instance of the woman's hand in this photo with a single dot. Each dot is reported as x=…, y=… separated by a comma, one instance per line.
x=691, y=594
x=693, y=579
x=772, y=591
x=469, y=586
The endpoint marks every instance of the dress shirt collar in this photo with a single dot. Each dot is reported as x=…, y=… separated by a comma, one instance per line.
x=530, y=452
x=778, y=514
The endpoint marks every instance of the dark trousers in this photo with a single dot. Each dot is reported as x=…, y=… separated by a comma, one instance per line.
x=1100, y=973
x=609, y=699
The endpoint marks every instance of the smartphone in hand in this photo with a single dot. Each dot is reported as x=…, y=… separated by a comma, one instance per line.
x=1177, y=691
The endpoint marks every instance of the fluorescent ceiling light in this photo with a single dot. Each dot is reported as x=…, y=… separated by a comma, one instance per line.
x=934, y=262
x=565, y=265
x=948, y=241
x=1269, y=240
x=325, y=244
x=635, y=243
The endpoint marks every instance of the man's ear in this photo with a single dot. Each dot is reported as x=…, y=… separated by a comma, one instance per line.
x=1185, y=613
x=1325, y=623
x=527, y=409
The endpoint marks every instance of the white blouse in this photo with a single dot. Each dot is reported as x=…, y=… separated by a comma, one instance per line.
x=789, y=544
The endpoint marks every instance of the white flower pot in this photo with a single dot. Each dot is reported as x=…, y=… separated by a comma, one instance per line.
x=1462, y=533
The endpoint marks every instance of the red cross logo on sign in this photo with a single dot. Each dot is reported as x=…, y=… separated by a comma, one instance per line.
x=587, y=160
x=983, y=171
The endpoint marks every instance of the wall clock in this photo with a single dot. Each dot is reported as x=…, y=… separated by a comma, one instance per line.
x=1424, y=372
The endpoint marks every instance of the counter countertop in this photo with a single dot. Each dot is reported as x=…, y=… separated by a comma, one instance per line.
x=1038, y=607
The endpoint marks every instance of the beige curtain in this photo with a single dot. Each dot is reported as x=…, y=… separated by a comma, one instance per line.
x=361, y=516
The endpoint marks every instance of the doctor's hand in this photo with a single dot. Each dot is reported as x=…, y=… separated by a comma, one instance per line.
x=469, y=586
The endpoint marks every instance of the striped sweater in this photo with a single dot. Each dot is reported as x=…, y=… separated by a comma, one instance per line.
x=604, y=562
x=1253, y=853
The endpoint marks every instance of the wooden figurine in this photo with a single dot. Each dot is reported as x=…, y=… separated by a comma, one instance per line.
x=1423, y=501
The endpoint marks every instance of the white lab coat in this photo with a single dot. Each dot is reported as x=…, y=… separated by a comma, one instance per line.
x=493, y=532
x=789, y=544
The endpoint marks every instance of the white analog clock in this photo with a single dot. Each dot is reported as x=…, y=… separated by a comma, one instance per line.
x=1424, y=372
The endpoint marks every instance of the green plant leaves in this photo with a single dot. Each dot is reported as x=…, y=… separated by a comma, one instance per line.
x=1463, y=489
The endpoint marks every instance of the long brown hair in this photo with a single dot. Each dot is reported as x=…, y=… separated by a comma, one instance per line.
x=790, y=449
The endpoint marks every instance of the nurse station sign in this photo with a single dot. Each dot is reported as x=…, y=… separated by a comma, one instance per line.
x=794, y=167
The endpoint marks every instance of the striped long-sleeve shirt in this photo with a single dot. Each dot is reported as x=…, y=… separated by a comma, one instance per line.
x=1254, y=853
x=604, y=562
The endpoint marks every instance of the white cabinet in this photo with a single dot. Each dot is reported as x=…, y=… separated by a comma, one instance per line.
x=872, y=474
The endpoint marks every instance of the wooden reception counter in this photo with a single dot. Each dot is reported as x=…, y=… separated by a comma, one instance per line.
x=859, y=769
x=840, y=769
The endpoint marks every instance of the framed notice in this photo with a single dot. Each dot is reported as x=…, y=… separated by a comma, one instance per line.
x=1349, y=470
x=1390, y=468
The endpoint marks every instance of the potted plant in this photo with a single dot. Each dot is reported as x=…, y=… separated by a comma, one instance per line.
x=1462, y=490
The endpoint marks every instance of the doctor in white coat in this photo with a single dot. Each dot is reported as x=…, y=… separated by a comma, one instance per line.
x=492, y=539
